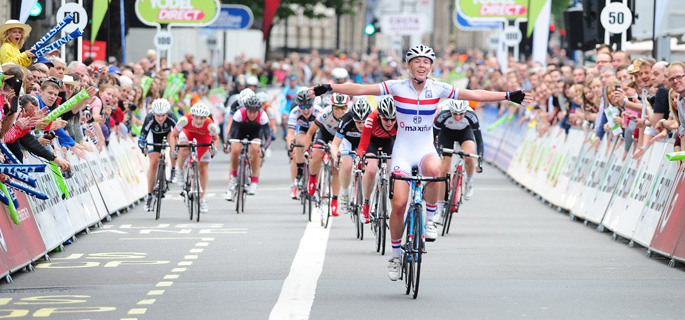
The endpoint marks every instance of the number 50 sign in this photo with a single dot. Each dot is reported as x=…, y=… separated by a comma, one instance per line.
x=616, y=17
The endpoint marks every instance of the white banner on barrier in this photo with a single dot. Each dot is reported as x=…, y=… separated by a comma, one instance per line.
x=657, y=199
x=626, y=207
x=590, y=192
x=577, y=182
x=595, y=209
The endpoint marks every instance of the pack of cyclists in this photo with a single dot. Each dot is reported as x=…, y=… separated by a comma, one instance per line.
x=409, y=123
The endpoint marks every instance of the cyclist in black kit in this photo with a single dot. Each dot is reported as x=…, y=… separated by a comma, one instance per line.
x=156, y=126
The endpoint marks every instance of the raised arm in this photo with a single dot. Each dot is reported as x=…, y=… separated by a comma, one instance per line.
x=352, y=89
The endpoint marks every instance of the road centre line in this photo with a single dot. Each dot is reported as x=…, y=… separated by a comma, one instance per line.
x=299, y=288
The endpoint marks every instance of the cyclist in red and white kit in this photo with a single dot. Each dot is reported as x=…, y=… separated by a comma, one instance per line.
x=416, y=101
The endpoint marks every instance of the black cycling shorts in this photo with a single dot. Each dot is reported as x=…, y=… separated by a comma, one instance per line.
x=322, y=136
x=376, y=144
x=447, y=138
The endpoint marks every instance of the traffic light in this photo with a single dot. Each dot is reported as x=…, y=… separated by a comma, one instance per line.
x=372, y=27
x=37, y=11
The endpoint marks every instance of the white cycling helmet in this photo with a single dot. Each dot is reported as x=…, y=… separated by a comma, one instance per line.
x=200, y=109
x=160, y=106
x=360, y=110
x=456, y=106
x=252, y=104
x=263, y=97
x=420, y=51
x=340, y=73
x=386, y=108
x=244, y=94
x=339, y=99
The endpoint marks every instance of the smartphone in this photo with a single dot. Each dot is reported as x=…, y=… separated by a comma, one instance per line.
x=617, y=87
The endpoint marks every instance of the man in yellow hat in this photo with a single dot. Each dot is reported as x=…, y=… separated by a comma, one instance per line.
x=13, y=35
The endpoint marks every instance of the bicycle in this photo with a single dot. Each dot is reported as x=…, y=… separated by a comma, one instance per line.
x=414, y=225
x=161, y=183
x=244, y=174
x=379, y=202
x=324, y=188
x=455, y=190
x=302, y=193
x=192, y=189
x=357, y=198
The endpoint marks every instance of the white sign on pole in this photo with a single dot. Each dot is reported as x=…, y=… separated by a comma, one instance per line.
x=511, y=36
x=78, y=12
x=493, y=41
x=212, y=42
x=616, y=17
x=404, y=24
x=163, y=40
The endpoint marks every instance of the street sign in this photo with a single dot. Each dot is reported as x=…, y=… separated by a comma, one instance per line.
x=404, y=24
x=233, y=17
x=163, y=40
x=78, y=12
x=616, y=17
x=464, y=23
x=183, y=13
x=511, y=36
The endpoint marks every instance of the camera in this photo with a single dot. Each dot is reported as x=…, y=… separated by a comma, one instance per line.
x=49, y=135
x=67, y=174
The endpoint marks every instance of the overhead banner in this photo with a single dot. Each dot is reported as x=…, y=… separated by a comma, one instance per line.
x=505, y=10
x=178, y=13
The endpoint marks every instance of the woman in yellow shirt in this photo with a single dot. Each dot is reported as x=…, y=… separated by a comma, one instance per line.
x=13, y=35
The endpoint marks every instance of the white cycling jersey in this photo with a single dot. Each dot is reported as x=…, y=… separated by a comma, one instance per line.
x=327, y=121
x=296, y=119
x=416, y=112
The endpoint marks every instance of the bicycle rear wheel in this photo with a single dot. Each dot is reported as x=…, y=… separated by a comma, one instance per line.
x=159, y=187
x=196, y=191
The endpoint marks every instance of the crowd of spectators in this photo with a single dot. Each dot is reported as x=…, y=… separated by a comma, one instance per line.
x=598, y=97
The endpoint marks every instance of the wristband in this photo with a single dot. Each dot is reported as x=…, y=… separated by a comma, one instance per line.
x=645, y=147
x=508, y=97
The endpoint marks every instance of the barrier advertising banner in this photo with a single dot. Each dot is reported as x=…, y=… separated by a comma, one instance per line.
x=669, y=230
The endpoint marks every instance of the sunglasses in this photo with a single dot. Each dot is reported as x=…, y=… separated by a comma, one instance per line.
x=339, y=107
x=54, y=80
x=388, y=120
x=458, y=114
x=305, y=107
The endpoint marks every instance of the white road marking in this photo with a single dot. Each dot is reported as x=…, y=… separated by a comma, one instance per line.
x=299, y=288
x=155, y=292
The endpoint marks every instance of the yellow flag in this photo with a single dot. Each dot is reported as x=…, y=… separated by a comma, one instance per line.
x=99, y=9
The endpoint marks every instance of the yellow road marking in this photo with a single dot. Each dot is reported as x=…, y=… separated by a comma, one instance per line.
x=155, y=292
x=164, y=284
x=147, y=301
x=137, y=311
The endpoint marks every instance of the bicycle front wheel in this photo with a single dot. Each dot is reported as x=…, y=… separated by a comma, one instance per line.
x=455, y=201
x=383, y=215
x=360, y=208
x=188, y=190
x=417, y=249
x=159, y=186
x=196, y=191
x=246, y=180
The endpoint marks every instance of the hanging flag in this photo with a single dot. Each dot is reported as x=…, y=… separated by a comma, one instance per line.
x=99, y=9
x=270, y=7
x=26, y=6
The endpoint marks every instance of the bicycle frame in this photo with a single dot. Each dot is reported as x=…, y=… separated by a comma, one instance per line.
x=244, y=172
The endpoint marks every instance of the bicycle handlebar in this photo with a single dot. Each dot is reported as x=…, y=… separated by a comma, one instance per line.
x=393, y=177
x=245, y=141
x=460, y=153
x=379, y=157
